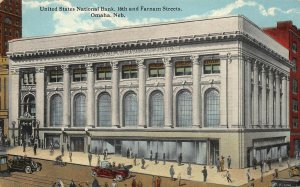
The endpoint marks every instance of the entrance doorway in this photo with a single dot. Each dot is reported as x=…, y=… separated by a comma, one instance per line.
x=77, y=144
x=214, y=151
x=26, y=132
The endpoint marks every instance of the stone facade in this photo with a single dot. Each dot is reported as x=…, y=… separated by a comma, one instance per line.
x=192, y=87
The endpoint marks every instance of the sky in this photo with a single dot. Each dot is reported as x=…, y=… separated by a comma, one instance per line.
x=264, y=13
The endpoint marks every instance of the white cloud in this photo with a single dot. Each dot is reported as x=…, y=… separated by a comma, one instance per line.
x=36, y=4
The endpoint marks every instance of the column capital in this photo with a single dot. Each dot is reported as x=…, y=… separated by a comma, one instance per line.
x=141, y=63
x=229, y=57
x=263, y=68
x=195, y=59
x=89, y=67
x=65, y=68
x=167, y=61
x=15, y=71
x=114, y=64
x=40, y=69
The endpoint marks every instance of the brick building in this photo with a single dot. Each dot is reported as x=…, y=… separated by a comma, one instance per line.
x=10, y=28
x=288, y=35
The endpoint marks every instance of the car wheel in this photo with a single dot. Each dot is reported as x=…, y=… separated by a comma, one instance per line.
x=94, y=174
x=28, y=169
x=119, y=178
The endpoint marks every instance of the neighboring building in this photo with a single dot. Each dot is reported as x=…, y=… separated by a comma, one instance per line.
x=200, y=88
x=10, y=28
x=288, y=35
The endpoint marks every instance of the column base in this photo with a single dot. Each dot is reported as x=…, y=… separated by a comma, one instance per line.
x=170, y=126
x=117, y=126
x=142, y=126
x=196, y=126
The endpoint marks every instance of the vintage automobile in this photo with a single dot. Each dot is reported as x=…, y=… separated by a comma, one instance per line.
x=109, y=171
x=294, y=171
x=285, y=183
x=25, y=164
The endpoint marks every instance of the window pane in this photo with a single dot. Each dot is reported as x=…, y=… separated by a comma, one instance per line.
x=130, y=110
x=179, y=71
x=212, y=108
x=153, y=73
x=104, y=109
x=188, y=71
x=133, y=74
x=108, y=76
x=79, y=111
x=216, y=68
x=56, y=110
x=184, y=109
x=207, y=69
x=161, y=72
x=157, y=110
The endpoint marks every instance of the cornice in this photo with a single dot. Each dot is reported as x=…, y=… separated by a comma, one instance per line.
x=151, y=43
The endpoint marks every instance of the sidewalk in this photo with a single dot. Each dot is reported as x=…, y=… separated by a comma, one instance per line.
x=238, y=175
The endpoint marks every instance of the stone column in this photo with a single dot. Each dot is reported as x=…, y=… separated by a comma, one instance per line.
x=196, y=91
x=142, y=94
x=255, y=94
x=14, y=101
x=288, y=102
x=168, y=97
x=248, y=90
x=271, y=98
x=284, y=102
x=115, y=95
x=90, y=109
x=40, y=95
x=263, y=97
x=66, y=97
x=277, y=99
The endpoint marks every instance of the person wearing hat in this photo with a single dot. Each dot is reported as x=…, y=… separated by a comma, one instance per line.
x=204, y=171
x=172, y=172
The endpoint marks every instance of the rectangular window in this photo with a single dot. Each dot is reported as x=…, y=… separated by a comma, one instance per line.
x=156, y=70
x=104, y=73
x=79, y=75
x=295, y=123
x=129, y=71
x=211, y=66
x=56, y=76
x=183, y=68
x=28, y=78
x=295, y=86
x=294, y=61
x=294, y=47
x=295, y=105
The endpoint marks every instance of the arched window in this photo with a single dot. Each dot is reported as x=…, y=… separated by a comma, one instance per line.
x=212, y=108
x=156, y=109
x=56, y=110
x=130, y=110
x=104, y=110
x=79, y=110
x=184, y=109
x=29, y=105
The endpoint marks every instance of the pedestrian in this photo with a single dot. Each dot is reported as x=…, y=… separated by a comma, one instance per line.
x=34, y=148
x=254, y=162
x=134, y=160
x=229, y=161
x=98, y=160
x=172, y=172
x=261, y=177
x=133, y=183
x=106, y=184
x=288, y=163
x=228, y=176
x=179, y=179
x=164, y=158
x=189, y=170
x=276, y=174
x=72, y=184
x=158, y=181
x=128, y=153
x=261, y=164
x=96, y=150
x=62, y=150
x=156, y=158
x=179, y=159
x=140, y=184
x=204, y=171
x=70, y=156
x=222, y=163
x=248, y=175
x=95, y=183
x=269, y=163
x=265, y=167
x=24, y=146
x=153, y=181
x=114, y=183
x=151, y=155
x=68, y=147
x=59, y=183
x=143, y=163
x=280, y=161
x=106, y=153
x=218, y=165
x=90, y=158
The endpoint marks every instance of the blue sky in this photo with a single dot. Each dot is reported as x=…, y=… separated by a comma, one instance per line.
x=265, y=13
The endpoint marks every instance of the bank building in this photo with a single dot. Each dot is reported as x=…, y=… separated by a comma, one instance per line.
x=204, y=88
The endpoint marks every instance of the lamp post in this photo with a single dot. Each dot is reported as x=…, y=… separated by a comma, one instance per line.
x=13, y=131
x=37, y=136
